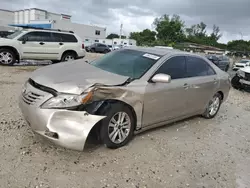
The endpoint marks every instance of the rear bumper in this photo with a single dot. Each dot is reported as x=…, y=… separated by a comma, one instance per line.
x=81, y=54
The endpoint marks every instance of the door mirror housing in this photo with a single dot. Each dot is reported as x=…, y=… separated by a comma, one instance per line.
x=161, y=78
x=24, y=40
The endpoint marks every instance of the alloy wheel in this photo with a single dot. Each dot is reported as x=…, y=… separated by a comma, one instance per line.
x=6, y=58
x=214, y=106
x=69, y=58
x=119, y=127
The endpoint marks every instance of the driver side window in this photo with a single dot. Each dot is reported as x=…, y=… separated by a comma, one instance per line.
x=175, y=67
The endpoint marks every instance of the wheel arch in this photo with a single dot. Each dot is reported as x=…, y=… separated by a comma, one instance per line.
x=12, y=49
x=105, y=105
x=221, y=94
x=69, y=51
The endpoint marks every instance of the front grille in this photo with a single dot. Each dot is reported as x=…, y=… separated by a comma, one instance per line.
x=241, y=66
x=31, y=98
x=247, y=76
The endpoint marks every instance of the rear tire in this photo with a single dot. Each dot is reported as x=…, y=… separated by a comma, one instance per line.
x=7, y=57
x=106, y=51
x=115, y=132
x=213, y=107
x=69, y=56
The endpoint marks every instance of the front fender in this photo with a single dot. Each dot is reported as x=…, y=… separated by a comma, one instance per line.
x=71, y=128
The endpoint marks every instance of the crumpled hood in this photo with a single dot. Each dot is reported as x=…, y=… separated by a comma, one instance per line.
x=74, y=77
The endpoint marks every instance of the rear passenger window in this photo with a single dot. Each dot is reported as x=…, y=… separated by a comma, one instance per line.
x=61, y=37
x=198, y=67
x=37, y=36
x=175, y=67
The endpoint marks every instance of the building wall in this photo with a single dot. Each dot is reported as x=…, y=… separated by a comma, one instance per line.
x=6, y=18
x=84, y=31
x=61, y=21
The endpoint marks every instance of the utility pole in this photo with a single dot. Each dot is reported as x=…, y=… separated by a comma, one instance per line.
x=241, y=35
x=121, y=31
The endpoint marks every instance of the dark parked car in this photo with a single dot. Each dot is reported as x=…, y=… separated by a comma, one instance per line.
x=98, y=47
x=220, y=61
x=4, y=34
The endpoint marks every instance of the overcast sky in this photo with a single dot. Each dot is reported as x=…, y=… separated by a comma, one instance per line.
x=232, y=16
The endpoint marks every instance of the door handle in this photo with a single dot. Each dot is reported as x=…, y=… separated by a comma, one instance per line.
x=60, y=43
x=41, y=43
x=185, y=86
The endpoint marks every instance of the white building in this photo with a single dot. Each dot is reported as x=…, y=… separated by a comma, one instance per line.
x=43, y=19
x=113, y=42
x=6, y=18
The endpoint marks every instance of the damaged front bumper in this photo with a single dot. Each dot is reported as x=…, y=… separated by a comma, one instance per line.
x=69, y=129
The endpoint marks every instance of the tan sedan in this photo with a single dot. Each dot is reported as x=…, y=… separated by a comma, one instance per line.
x=124, y=92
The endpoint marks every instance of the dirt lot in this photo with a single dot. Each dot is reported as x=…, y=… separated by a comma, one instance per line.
x=193, y=153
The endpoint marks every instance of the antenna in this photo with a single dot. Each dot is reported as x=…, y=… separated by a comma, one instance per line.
x=121, y=31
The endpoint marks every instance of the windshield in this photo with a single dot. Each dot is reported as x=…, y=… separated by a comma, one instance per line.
x=13, y=35
x=131, y=63
x=244, y=61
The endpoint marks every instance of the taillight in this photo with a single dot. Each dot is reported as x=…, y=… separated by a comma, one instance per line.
x=82, y=46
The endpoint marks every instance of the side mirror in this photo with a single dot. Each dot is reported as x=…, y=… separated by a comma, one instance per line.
x=25, y=39
x=161, y=78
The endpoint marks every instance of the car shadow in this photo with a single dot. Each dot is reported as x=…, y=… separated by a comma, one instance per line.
x=93, y=143
x=32, y=63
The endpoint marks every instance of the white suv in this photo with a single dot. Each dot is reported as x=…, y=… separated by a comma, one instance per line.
x=41, y=44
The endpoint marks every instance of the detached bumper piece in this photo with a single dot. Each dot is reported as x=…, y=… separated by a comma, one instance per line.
x=70, y=129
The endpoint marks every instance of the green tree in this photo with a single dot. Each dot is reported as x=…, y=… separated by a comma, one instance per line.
x=169, y=29
x=114, y=35
x=144, y=38
x=216, y=35
x=198, y=34
x=239, y=45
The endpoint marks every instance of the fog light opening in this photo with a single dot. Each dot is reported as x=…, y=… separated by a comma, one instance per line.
x=51, y=134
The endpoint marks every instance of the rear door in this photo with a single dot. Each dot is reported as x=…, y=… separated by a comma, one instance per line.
x=202, y=82
x=65, y=42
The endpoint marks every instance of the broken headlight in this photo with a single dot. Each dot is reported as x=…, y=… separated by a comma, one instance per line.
x=63, y=101
x=241, y=73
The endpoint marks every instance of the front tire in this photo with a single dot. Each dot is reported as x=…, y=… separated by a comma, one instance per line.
x=117, y=128
x=235, y=82
x=7, y=57
x=213, y=106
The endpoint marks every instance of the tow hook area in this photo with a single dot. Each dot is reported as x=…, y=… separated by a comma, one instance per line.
x=70, y=129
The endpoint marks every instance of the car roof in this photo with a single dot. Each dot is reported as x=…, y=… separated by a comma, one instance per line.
x=156, y=51
x=41, y=30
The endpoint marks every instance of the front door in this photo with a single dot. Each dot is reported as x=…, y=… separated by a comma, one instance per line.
x=39, y=45
x=165, y=101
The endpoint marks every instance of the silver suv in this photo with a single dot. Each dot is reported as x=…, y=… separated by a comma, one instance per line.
x=40, y=44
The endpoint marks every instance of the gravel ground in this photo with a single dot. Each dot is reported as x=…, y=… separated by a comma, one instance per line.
x=192, y=153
